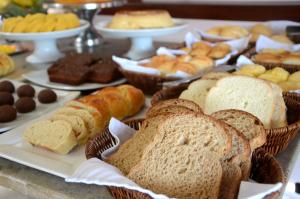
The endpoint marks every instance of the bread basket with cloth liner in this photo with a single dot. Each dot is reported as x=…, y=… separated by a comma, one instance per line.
x=277, y=138
x=265, y=168
x=289, y=67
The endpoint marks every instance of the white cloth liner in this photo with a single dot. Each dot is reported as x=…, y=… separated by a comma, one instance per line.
x=135, y=66
x=95, y=171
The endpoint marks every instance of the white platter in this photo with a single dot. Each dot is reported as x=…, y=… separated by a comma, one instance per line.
x=14, y=148
x=40, y=77
x=141, y=39
x=41, y=109
x=45, y=42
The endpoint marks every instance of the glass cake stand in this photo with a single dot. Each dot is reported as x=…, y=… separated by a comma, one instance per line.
x=85, y=11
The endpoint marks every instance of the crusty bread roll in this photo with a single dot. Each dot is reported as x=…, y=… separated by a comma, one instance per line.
x=219, y=51
x=261, y=29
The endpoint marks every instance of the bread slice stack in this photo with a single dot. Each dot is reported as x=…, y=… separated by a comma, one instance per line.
x=183, y=153
x=85, y=117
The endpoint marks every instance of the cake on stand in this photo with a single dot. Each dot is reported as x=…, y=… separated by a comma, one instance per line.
x=85, y=11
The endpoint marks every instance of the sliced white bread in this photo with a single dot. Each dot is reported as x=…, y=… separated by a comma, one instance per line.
x=78, y=126
x=231, y=180
x=249, y=125
x=56, y=136
x=181, y=102
x=182, y=171
x=93, y=121
x=243, y=93
x=279, y=116
x=197, y=91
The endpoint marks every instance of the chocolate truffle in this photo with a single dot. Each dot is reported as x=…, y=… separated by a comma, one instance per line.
x=7, y=86
x=6, y=98
x=25, y=105
x=7, y=113
x=47, y=96
x=26, y=91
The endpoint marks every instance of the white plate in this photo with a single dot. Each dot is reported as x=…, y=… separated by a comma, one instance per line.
x=46, y=35
x=14, y=148
x=40, y=77
x=102, y=29
x=41, y=109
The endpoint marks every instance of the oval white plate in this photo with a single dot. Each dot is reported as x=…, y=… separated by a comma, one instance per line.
x=40, y=77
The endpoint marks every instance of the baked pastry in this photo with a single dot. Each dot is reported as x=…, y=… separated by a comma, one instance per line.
x=230, y=31
x=26, y=91
x=282, y=39
x=219, y=51
x=47, y=96
x=141, y=19
x=104, y=71
x=25, y=105
x=7, y=65
x=259, y=29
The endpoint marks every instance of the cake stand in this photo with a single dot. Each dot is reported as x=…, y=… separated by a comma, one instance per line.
x=141, y=39
x=45, y=47
x=85, y=11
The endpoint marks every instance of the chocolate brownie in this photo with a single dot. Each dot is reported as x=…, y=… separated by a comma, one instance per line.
x=104, y=71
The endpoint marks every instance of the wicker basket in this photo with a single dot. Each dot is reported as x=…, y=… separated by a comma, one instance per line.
x=265, y=168
x=277, y=138
x=289, y=67
x=147, y=83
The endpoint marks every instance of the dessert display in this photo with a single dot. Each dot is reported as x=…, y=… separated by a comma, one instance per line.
x=276, y=75
x=26, y=91
x=81, y=119
x=7, y=113
x=47, y=96
x=229, y=31
x=277, y=56
x=168, y=155
x=201, y=56
x=25, y=105
x=242, y=93
x=40, y=23
x=76, y=69
x=7, y=65
x=6, y=98
x=23, y=99
x=141, y=19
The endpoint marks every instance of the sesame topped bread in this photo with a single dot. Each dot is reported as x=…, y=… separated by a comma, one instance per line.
x=243, y=93
x=56, y=136
x=249, y=125
x=197, y=91
x=181, y=102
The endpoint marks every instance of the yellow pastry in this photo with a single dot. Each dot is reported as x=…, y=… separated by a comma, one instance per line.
x=252, y=70
x=295, y=77
x=288, y=86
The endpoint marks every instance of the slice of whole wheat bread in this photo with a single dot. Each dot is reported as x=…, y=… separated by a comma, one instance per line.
x=249, y=125
x=170, y=109
x=181, y=102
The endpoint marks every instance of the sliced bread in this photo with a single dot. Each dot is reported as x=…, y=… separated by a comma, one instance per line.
x=249, y=125
x=78, y=126
x=181, y=102
x=279, y=116
x=182, y=171
x=231, y=179
x=170, y=109
x=93, y=120
x=197, y=91
x=243, y=93
x=56, y=136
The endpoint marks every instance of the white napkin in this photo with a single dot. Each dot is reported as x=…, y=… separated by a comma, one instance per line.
x=265, y=42
x=251, y=190
x=95, y=171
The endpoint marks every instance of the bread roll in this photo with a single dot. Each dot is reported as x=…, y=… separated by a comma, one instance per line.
x=219, y=51
x=202, y=62
x=282, y=39
x=267, y=58
x=188, y=68
x=261, y=29
x=234, y=32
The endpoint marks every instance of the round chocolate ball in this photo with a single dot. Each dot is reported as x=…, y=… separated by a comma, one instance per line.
x=7, y=86
x=47, y=96
x=25, y=105
x=26, y=91
x=6, y=98
x=7, y=113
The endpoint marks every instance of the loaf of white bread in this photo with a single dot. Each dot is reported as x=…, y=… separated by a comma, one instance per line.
x=183, y=153
x=258, y=97
x=81, y=119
